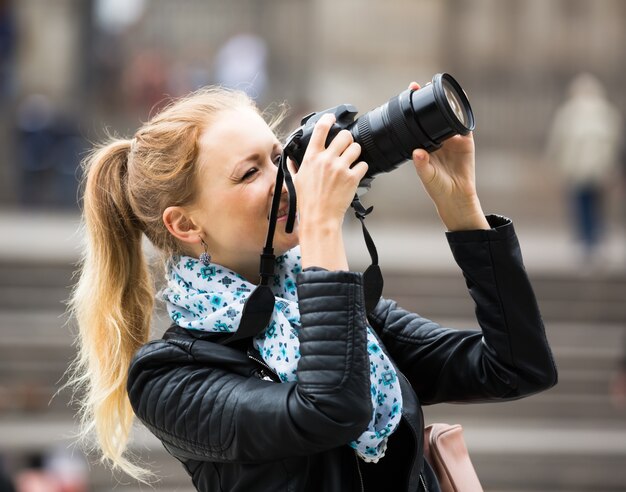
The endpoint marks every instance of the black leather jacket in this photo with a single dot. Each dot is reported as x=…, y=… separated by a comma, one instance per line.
x=220, y=411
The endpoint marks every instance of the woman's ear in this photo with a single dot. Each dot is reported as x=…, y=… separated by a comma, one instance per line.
x=181, y=225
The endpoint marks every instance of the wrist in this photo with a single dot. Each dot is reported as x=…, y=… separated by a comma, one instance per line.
x=463, y=215
x=321, y=245
x=320, y=228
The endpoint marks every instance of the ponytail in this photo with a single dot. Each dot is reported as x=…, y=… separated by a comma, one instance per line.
x=126, y=189
x=112, y=303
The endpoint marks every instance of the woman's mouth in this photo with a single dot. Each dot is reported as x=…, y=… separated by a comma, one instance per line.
x=282, y=214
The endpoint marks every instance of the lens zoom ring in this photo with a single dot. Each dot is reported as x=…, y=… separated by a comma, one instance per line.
x=367, y=139
x=400, y=128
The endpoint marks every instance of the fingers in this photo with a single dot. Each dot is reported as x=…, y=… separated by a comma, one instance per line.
x=352, y=153
x=421, y=160
x=320, y=133
x=341, y=152
x=340, y=143
x=359, y=170
x=420, y=155
x=414, y=86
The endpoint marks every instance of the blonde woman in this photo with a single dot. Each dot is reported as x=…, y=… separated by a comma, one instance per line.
x=326, y=397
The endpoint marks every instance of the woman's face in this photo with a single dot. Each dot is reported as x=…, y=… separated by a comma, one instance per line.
x=236, y=179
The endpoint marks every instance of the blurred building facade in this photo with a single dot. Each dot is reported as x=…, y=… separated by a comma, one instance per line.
x=109, y=63
x=71, y=68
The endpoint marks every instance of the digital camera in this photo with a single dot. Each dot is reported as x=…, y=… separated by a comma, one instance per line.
x=421, y=118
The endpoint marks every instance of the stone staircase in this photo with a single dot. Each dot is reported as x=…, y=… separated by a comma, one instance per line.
x=570, y=438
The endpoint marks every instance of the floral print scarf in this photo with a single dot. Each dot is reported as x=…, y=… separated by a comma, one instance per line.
x=211, y=298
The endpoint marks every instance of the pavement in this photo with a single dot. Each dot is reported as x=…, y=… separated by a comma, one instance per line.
x=57, y=237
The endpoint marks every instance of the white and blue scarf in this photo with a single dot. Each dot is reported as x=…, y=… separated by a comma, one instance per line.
x=211, y=298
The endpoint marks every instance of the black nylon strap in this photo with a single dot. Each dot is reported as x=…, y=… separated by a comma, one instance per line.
x=373, y=281
x=271, y=228
x=291, y=189
x=256, y=314
x=258, y=309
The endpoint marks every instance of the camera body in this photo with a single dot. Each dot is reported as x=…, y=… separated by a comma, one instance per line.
x=345, y=115
x=421, y=118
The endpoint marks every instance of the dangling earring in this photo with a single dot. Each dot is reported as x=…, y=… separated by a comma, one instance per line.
x=205, y=257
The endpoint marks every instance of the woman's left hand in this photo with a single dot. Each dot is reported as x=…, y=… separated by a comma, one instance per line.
x=448, y=175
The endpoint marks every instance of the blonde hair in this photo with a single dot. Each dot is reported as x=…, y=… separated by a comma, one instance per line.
x=127, y=186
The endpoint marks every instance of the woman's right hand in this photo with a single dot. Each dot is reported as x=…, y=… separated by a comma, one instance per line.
x=327, y=180
x=325, y=186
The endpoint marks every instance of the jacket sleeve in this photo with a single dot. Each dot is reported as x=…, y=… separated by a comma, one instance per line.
x=508, y=359
x=221, y=414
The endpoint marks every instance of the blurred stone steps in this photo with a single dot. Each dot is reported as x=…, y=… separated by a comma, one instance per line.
x=537, y=472
x=599, y=297
x=36, y=349
x=585, y=322
x=534, y=454
x=43, y=400
x=561, y=297
x=575, y=408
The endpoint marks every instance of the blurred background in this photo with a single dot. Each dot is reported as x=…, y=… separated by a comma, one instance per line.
x=546, y=81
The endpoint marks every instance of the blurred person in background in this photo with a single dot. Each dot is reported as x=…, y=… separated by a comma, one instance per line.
x=8, y=41
x=241, y=63
x=49, y=152
x=35, y=137
x=6, y=483
x=34, y=477
x=146, y=81
x=327, y=396
x=617, y=383
x=585, y=142
x=56, y=470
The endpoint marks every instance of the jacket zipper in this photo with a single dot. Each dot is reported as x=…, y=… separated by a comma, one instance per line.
x=405, y=419
x=416, y=437
x=423, y=483
x=358, y=468
x=262, y=363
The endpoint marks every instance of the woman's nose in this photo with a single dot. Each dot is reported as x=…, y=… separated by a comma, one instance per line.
x=271, y=181
x=273, y=176
x=284, y=190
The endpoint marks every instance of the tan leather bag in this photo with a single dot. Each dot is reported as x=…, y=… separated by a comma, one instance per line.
x=446, y=452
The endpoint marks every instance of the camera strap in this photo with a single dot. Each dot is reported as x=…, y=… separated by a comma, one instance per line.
x=372, y=277
x=258, y=308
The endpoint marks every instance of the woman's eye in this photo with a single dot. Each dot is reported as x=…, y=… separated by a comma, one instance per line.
x=249, y=174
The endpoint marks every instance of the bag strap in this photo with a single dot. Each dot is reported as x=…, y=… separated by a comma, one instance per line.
x=447, y=454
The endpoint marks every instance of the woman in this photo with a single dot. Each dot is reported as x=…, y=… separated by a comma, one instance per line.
x=327, y=398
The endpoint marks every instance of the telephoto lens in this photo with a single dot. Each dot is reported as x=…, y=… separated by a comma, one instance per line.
x=421, y=118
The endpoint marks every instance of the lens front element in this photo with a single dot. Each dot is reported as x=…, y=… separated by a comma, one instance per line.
x=455, y=103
